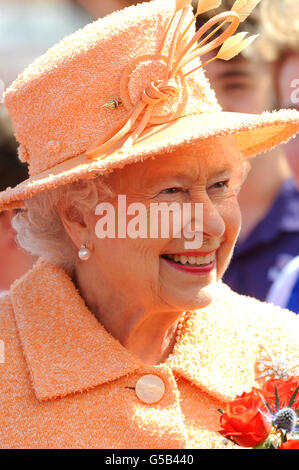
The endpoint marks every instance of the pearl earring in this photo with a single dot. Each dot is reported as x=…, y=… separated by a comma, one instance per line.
x=84, y=253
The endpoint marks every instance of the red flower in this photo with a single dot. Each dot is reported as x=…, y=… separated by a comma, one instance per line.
x=291, y=444
x=285, y=390
x=246, y=420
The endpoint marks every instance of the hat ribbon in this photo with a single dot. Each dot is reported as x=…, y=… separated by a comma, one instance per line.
x=162, y=90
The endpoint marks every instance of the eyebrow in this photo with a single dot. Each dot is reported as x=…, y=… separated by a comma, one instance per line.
x=178, y=175
x=183, y=175
x=223, y=171
x=234, y=73
x=163, y=176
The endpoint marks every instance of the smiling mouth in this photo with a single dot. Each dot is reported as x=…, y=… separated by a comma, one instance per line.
x=191, y=261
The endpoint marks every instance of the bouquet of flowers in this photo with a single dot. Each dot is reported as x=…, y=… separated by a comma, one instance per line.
x=264, y=418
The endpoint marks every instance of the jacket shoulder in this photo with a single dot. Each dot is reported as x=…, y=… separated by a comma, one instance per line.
x=269, y=326
x=258, y=311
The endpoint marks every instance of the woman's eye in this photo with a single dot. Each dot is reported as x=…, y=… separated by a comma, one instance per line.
x=171, y=191
x=221, y=184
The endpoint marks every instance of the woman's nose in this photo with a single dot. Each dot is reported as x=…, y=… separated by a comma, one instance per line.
x=213, y=225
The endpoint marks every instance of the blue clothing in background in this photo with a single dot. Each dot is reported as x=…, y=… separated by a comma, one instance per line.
x=293, y=302
x=285, y=290
x=258, y=260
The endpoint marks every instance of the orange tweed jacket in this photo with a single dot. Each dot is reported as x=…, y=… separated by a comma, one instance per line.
x=67, y=383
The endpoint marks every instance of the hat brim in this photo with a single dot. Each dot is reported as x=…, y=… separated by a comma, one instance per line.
x=254, y=134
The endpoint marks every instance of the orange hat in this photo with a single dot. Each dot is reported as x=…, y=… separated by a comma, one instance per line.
x=126, y=87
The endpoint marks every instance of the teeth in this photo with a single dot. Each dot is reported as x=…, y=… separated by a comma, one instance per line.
x=197, y=260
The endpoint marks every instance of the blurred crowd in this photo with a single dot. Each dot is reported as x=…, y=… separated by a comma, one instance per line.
x=265, y=77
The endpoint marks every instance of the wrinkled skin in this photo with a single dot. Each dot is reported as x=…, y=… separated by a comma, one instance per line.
x=130, y=288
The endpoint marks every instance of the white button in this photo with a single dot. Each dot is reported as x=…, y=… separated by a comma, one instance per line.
x=150, y=388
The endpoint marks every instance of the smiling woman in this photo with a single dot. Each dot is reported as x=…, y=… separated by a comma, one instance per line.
x=131, y=341
x=164, y=286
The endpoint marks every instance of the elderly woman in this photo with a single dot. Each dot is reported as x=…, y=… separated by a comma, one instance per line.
x=121, y=336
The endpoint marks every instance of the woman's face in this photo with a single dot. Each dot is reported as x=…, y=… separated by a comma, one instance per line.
x=242, y=85
x=208, y=173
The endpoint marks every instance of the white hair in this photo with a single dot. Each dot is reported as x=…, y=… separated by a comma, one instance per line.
x=39, y=228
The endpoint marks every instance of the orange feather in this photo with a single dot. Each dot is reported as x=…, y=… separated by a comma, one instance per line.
x=180, y=4
x=244, y=8
x=234, y=45
x=206, y=5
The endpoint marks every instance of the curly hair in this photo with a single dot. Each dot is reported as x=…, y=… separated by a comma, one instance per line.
x=39, y=228
x=280, y=26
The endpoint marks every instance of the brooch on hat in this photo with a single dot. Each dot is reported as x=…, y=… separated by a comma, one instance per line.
x=277, y=365
x=173, y=72
x=112, y=104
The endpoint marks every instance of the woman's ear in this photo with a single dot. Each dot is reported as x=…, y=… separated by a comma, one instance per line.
x=74, y=224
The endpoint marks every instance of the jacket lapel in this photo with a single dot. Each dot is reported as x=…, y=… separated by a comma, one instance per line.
x=66, y=348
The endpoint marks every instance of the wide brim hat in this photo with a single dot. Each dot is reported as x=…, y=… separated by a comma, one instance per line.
x=127, y=87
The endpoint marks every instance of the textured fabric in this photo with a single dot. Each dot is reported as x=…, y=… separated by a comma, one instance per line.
x=259, y=259
x=67, y=383
x=56, y=104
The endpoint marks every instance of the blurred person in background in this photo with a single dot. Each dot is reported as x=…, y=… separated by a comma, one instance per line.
x=281, y=35
x=28, y=29
x=14, y=260
x=269, y=199
x=100, y=8
x=280, y=22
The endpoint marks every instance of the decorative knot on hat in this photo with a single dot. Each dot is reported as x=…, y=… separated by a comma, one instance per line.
x=159, y=91
x=145, y=81
x=155, y=93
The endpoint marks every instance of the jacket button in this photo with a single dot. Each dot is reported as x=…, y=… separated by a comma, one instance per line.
x=150, y=388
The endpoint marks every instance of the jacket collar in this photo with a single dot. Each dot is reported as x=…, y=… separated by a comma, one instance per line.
x=67, y=350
